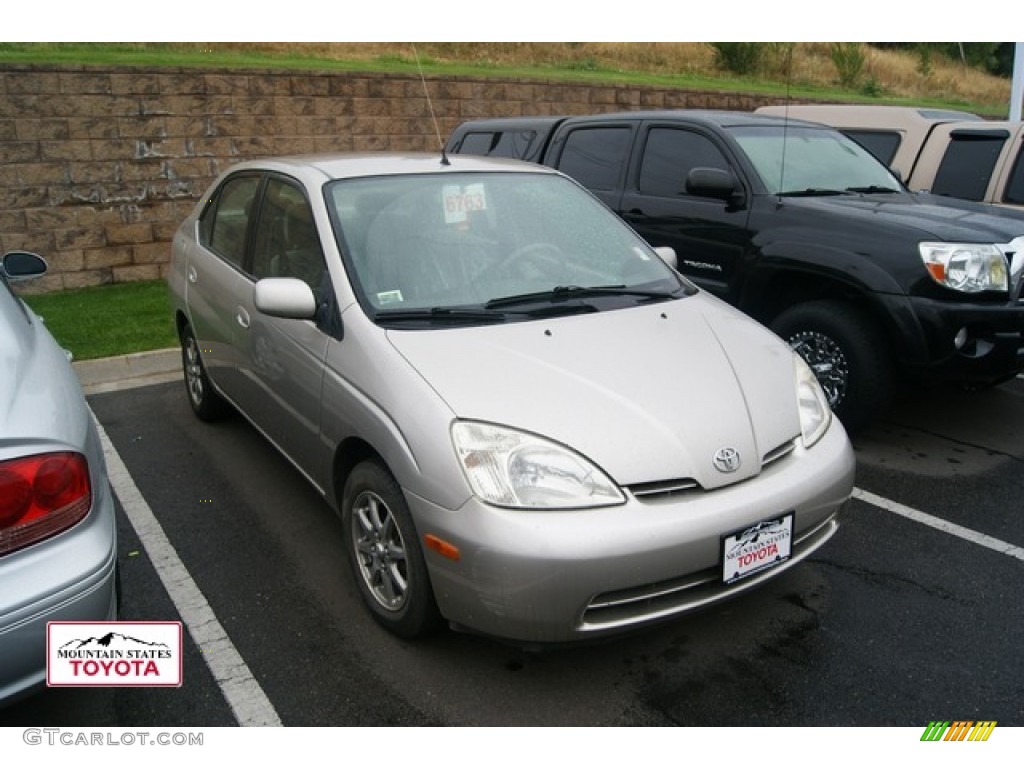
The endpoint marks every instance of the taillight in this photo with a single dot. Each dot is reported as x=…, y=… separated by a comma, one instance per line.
x=40, y=496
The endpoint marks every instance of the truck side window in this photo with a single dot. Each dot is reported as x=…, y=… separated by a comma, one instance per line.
x=514, y=144
x=1015, y=184
x=669, y=156
x=595, y=156
x=967, y=166
x=881, y=144
x=476, y=144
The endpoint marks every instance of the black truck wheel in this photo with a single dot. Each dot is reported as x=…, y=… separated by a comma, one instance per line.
x=847, y=354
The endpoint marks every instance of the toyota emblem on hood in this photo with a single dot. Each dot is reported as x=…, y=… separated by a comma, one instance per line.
x=726, y=460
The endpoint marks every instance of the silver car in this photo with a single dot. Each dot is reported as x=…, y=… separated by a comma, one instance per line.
x=531, y=426
x=58, y=538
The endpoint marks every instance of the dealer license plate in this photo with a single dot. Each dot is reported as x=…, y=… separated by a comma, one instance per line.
x=757, y=548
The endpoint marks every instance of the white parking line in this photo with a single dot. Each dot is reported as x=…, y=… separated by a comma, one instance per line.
x=250, y=705
x=945, y=526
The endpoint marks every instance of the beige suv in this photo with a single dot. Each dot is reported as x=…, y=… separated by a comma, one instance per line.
x=945, y=152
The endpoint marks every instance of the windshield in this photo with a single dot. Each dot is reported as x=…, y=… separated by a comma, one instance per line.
x=460, y=245
x=800, y=160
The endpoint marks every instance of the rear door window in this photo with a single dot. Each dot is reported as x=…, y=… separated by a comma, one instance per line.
x=595, y=157
x=225, y=224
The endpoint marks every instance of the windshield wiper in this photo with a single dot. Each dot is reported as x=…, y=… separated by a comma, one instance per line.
x=563, y=292
x=813, y=192
x=873, y=189
x=440, y=315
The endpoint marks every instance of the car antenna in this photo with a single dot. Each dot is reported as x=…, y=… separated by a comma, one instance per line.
x=430, y=106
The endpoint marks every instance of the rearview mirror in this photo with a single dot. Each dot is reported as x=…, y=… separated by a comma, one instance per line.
x=22, y=265
x=715, y=183
x=668, y=255
x=286, y=297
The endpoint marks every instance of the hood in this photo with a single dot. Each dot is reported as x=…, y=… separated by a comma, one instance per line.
x=648, y=393
x=930, y=217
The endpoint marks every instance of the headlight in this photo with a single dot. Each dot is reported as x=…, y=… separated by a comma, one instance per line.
x=967, y=267
x=509, y=468
x=815, y=415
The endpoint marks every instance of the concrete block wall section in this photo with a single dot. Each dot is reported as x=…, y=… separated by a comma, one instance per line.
x=100, y=165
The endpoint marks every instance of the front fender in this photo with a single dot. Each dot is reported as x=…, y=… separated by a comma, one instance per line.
x=788, y=273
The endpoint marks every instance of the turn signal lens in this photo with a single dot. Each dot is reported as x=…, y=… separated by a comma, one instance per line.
x=442, y=547
x=40, y=496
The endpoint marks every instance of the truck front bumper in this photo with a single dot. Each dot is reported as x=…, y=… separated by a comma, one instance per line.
x=963, y=343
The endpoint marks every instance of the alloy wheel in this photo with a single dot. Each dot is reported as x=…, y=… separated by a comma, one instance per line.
x=194, y=372
x=825, y=357
x=380, y=551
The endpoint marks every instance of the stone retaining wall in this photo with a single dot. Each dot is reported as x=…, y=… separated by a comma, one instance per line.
x=99, y=165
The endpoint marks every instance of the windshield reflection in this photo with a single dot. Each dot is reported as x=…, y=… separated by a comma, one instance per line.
x=437, y=242
x=812, y=161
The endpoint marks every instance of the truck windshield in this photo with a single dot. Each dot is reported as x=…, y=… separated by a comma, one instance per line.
x=797, y=160
x=437, y=243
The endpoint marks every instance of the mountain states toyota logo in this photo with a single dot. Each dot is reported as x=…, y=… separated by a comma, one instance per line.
x=114, y=653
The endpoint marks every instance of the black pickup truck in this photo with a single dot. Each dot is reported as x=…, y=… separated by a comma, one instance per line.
x=805, y=231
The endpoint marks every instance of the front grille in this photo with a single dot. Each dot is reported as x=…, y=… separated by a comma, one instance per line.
x=664, y=488
x=670, y=488
x=779, y=452
x=649, y=602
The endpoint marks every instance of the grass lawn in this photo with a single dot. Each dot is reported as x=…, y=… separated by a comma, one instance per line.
x=108, y=320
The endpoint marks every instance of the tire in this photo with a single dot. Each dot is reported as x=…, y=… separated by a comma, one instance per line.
x=385, y=554
x=205, y=402
x=848, y=355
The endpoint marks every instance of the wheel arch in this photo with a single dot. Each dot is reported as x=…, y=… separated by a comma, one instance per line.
x=180, y=322
x=348, y=455
x=770, y=292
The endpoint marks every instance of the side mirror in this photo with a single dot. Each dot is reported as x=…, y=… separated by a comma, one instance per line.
x=668, y=255
x=714, y=183
x=286, y=297
x=22, y=265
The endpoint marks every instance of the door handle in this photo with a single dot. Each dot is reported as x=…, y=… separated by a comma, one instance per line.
x=193, y=276
x=242, y=317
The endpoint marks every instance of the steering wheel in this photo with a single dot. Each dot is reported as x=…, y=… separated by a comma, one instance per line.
x=533, y=261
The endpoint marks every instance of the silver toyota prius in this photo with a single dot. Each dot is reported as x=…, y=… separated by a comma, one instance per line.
x=531, y=425
x=58, y=537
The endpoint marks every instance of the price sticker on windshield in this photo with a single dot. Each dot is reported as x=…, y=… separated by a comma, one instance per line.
x=459, y=201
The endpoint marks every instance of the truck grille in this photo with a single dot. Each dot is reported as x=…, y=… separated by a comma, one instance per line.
x=1014, y=252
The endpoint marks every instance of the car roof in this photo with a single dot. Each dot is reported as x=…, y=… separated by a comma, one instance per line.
x=363, y=164
x=721, y=118
x=870, y=115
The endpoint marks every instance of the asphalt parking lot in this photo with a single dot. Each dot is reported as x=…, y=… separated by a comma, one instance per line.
x=909, y=615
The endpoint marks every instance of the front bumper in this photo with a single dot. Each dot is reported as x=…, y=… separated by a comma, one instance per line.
x=71, y=577
x=992, y=348
x=548, y=577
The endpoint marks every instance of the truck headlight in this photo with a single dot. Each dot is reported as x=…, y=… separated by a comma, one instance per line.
x=967, y=267
x=510, y=468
